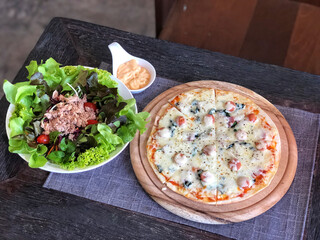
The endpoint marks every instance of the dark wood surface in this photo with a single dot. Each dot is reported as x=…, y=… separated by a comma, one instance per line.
x=311, y=2
x=304, y=48
x=162, y=9
x=28, y=211
x=285, y=33
x=263, y=41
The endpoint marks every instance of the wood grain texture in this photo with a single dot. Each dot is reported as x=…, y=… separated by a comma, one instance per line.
x=162, y=9
x=304, y=49
x=75, y=42
x=210, y=213
x=33, y=212
x=277, y=32
x=270, y=31
x=311, y=2
x=175, y=61
x=213, y=25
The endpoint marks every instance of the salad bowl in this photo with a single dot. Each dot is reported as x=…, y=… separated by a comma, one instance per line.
x=124, y=92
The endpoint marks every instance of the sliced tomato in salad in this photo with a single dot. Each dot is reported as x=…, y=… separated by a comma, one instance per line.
x=43, y=139
x=89, y=122
x=90, y=105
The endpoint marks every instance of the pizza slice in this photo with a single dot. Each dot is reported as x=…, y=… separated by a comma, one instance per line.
x=243, y=169
x=168, y=139
x=172, y=142
x=239, y=119
x=197, y=180
x=197, y=185
x=170, y=124
x=199, y=106
x=169, y=158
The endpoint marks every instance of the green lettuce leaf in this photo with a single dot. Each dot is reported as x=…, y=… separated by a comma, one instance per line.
x=70, y=73
x=104, y=78
x=20, y=146
x=136, y=122
x=126, y=133
x=32, y=68
x=56, y=156
x=37, y=161
x=23, y=112
x=53, y=136
x=16, y=126
x=10, y=91
x=139, y=119
x=106, y=132
x=24, y=91
x=107, y=146
x=67, y=146
x=92, y=156
x=41, y=149
x=51, y=72
x=130, y=103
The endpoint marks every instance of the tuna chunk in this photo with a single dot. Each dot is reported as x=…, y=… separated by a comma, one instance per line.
x=68, y=115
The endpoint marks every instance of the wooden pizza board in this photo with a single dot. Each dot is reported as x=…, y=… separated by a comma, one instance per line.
x=211, y=213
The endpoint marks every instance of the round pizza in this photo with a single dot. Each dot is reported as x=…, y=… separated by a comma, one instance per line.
x=214, y=146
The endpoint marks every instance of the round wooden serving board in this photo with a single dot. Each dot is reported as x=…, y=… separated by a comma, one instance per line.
x=211, y=213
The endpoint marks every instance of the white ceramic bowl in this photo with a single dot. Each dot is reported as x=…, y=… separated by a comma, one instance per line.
x=120, y=56
x=51, y=167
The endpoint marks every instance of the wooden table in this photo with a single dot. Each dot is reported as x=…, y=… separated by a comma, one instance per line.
x=27, y=210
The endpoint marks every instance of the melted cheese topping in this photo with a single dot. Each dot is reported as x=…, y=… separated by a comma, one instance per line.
x=253, y=162
x=216, y=155
x=196, y=104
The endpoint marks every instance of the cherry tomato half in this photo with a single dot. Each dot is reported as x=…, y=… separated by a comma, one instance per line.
x=252, y=117
x=90, y=105
x=89, y=122
x=43, y=139
x=180, y=121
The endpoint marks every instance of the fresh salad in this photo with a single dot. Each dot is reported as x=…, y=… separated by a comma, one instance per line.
x=71, y=116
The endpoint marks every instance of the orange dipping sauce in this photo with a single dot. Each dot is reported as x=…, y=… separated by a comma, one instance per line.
x=133, y=75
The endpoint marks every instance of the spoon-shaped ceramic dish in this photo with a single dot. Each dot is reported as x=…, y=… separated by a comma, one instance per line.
x=120, y=56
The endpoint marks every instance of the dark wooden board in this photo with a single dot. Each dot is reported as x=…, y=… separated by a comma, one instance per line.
x=29, y=211
x=184, y=64
x=75, y=42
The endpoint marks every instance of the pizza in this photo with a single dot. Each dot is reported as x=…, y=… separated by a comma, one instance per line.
x=213, y=146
